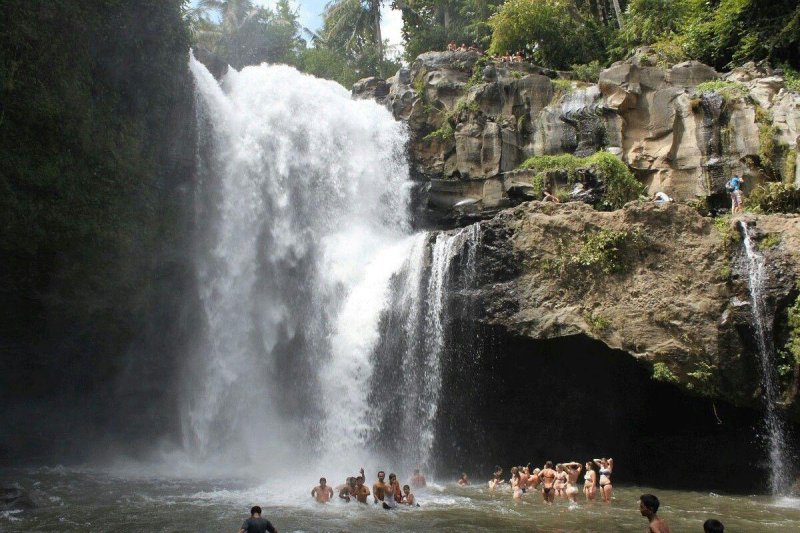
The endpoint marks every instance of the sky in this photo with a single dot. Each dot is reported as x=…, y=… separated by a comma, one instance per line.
x=310, y=12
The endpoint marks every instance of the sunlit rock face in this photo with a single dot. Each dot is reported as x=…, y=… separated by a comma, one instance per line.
x=677, y=139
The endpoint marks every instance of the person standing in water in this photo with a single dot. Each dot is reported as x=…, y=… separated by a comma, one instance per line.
x=561, y=481
x=548, y=477
x=648, y=506
x=573, y=470
x=392, y=493
x=362, y=491
x=379, y=488
x=516, y=484
x=418, y=480
x=322, y=493
x=606, y=467
x=408, y=497
x=590, y=482
x=463, y=481
x=256, y=524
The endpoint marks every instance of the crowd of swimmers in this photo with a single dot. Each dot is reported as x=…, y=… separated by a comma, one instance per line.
x=389, y=494
x=559, y=481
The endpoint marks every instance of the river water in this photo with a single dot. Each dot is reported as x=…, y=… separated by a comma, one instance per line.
x=85, y=500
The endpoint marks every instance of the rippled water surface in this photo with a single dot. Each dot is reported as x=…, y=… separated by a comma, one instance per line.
x=72, y=500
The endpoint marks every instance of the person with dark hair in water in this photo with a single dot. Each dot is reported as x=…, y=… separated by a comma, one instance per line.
x=322, y=492
x=648, y=506
x=548, y=477
x=256, y=524
x=590, y=481
x=463, y=480
x=362, y=491
x=379, y=488
x=713, y=525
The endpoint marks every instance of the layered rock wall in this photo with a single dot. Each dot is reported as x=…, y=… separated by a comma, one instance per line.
x=470, y=119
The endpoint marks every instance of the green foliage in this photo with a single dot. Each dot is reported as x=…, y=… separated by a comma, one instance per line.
x=790, y=166
x=621, y=186
x=702, y=379
x=325, y=63
x=726, y=231
x=609, y=251
x=598, y=323
x=96, y=124
x=654, y=21
x=431, y=24
x=793, y=343
x=561, y=87
x=553, y=32
x=773, y=197
x=792, y=78
x=661, y=372
x=247, y=34
x=444, y=133
x=589, y=72
x=771, y=240
x=729, y=90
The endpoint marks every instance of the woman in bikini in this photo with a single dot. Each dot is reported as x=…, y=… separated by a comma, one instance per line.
x=561, y=481
x=590, y=482
x=606, y=467
x=573, y=470
x=516, y=484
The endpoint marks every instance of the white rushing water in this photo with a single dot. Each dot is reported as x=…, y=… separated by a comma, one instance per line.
x=776, y=435
x=302, y=215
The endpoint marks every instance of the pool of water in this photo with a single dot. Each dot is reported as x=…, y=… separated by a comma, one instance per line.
x=84, y=500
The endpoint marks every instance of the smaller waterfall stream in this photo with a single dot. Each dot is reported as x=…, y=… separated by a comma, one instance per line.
x=776, y=437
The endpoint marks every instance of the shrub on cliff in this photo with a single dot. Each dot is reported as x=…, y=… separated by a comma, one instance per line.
x=620, y=185
x=774, y=197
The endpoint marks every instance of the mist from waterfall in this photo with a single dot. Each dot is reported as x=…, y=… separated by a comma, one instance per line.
x=302, y=202
x=762, y=324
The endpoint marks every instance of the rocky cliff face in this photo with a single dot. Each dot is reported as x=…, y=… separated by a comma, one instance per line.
x=662, y=283
x=474, y=122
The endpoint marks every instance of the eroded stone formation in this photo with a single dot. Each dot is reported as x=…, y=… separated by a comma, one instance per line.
x=662, y=283
x=476, y=120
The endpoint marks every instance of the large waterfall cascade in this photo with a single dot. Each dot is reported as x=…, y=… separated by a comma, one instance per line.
x=304, y=250
x=776, y=435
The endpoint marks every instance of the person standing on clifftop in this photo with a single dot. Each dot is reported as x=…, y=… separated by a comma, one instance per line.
x=734, y=186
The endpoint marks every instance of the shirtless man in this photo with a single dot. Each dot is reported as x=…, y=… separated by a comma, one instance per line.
x=418, y=480
x=648, y=506
x=463, y=480
x=379, y=488
x=347, y=489
x=322, y=493
x=392, y=495
x=362, y=491
x=548, y=477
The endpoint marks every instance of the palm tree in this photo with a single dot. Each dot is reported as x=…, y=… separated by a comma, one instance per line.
x=352, y=22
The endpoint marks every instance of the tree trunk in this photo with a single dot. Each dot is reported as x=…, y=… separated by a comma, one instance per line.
x=618, y=12
x=376, y=9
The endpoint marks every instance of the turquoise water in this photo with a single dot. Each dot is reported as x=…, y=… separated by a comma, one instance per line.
x=74, y=500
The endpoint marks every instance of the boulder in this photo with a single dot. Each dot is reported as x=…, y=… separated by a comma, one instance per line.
x=371, y=89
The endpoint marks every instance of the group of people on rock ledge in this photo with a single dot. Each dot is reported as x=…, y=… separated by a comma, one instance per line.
x=561, y=481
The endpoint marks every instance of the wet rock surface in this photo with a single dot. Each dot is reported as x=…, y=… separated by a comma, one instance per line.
x=15, y=499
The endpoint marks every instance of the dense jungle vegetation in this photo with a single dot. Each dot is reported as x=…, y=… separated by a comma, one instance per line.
x=561, y=34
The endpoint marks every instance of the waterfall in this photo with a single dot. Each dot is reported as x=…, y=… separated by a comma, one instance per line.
x=301, y=221
x=756, y=279
x=414, y=343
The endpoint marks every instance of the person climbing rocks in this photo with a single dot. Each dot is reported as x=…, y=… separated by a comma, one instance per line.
x=648, y=506
x=256, y=524
x=734, y=187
